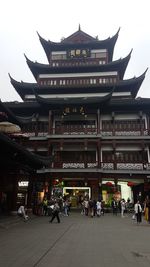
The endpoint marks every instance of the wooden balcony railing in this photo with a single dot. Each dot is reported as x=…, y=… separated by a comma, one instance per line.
x=84, y=130
x=101, y=165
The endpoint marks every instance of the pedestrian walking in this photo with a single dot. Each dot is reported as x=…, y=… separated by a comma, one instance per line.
x=91, y=207
x=55, y=213
x=94, y=207
x=22, y=213
x=114, y=206
x=138, y=212
x=102, y=207
x=123, y=207
x=66, y=207
x=147, y=209
x=86, y=207
x=45, y=206
x=99, y=207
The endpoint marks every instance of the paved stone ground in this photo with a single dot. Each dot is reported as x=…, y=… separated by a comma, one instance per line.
x=76, y=241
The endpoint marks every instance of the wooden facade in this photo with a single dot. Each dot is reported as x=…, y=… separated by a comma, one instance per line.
x=85, y=114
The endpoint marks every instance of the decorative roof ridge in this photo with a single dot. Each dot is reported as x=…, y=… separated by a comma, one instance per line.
x=115, y=36
x=65, y=40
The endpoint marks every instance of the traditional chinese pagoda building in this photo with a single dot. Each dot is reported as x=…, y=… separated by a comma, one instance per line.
x=88, y=116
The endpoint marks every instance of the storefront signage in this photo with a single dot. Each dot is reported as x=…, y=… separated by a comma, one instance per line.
x=23, y=184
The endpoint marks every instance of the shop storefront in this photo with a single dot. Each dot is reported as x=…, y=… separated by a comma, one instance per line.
x=76, y=194
x=22, y=195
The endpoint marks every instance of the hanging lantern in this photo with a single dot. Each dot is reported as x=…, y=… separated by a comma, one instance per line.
x=130, y=184
x=109, y=184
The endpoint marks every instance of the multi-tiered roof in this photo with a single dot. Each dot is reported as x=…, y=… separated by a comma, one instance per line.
x=71, y=59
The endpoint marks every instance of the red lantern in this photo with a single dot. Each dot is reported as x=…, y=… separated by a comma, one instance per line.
x=130, y=184
x=109, y=184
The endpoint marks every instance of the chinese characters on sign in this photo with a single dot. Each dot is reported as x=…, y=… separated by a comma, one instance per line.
x=68, y=110
x=78, y=53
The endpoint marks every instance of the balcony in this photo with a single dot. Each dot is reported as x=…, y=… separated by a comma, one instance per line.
x=82, y=130
x=75, y=130
x=135, y=132
x=128, y=166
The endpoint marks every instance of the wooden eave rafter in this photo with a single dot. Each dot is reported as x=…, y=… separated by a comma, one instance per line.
x=132, y=85
x=11, y=116
x=19, y=154
x=137, y=84
x=144, y=103
x=77, y=101
x=22, y=88
x=117, y=65
x=24, y=107
x=93, y=43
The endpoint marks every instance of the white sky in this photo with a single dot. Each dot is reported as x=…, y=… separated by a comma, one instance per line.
x=53, y=19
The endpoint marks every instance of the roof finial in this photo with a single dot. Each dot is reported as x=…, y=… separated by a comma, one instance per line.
x=79, y=27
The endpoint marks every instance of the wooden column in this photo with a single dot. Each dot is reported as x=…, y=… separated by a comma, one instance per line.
x=98, y=121
x=114, y=151
x=85, y=155
x=37, y=121
x=61, y=145
x=99, y=153
x=141, y=117
x=143, y=152
x=49, y=148
x=50, y=130
x=100, y=188
x=113, y=122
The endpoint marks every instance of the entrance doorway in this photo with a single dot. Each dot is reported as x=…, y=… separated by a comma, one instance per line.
x=76, y=194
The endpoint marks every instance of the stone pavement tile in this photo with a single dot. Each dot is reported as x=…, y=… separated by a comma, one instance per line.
x=76, y=241
x=11, y=220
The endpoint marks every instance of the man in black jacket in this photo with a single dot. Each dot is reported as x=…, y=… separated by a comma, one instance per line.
x=55, y=213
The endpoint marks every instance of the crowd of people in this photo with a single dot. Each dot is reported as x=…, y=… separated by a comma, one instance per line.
x=91, y=207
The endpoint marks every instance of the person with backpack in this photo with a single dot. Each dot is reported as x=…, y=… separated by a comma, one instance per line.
x=55, y=212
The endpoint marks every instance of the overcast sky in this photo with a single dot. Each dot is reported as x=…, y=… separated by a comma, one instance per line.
x=20, y=20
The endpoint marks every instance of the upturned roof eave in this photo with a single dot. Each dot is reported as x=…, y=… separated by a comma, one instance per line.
x=119, y=65
x=80, y=100
x=31, y=159
x=132, y=85
x=63, y=43
x=11, y=116
x=108, y=43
